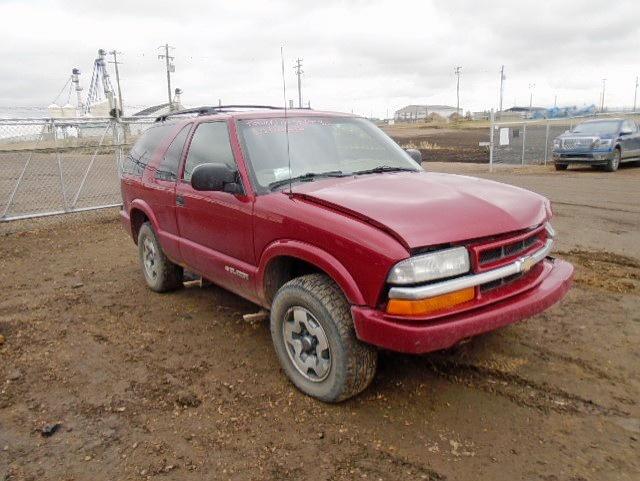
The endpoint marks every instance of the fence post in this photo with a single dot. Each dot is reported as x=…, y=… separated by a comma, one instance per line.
x=524, y=139
x=59, y=160
x=546, y=143
x=491, y=129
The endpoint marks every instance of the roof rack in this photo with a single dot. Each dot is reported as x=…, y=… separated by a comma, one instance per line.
x=212, y=110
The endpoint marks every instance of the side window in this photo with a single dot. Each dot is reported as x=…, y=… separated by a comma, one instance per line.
x=210, y=143
x=629, y=125
x=168, y=166
x=140, y=154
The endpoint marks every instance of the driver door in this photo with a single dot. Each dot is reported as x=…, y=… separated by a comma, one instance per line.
x=215, y=228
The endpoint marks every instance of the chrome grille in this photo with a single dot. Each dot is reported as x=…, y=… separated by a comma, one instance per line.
x=507, y=250
x=577, y=143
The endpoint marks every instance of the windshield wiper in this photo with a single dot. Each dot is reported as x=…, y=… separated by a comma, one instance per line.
x=384, y=168
x=306, y=177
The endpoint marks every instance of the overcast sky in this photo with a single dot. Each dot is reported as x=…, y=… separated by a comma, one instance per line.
x=366, y=56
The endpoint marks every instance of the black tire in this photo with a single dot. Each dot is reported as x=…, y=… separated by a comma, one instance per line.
x=561, y=166
x=352, y=363
x=163, y=275
x=613, y=164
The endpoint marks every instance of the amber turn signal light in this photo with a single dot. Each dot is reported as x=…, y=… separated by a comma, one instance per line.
x=405, y=307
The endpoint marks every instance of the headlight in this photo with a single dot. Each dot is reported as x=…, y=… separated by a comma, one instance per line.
x=602, y=143
x=556, y=143
x=427, y=267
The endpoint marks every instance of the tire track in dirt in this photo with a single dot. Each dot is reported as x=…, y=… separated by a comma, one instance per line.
x=370, y=463
x=547, y=354
x=604, y=270
x=519, y=390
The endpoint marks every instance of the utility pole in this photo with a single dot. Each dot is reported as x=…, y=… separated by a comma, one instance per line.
x=531, y=87
x=456, y=70
x=170, y=68
x=299, y=72
x=604, y=84
x=555, y=101
x=116, y=63
x=502, y=78
x=635, y=95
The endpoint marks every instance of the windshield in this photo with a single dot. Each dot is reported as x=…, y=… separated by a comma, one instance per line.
x=603, y=127
x=329, y=146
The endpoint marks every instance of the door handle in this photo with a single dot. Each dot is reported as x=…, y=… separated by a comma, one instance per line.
x=179, y=201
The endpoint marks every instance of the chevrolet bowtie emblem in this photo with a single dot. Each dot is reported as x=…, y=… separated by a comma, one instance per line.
x=527, y=264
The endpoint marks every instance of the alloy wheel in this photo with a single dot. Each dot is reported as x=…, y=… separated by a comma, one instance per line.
x=306, y=344
x=150, y=258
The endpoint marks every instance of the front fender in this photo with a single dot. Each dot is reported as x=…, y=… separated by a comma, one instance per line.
x=141, y=205
x=315, y=256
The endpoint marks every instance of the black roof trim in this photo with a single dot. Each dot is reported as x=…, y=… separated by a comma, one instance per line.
x=218, y=109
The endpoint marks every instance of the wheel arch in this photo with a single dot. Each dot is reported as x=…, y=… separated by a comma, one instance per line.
x=139, y=213
x=283, y=260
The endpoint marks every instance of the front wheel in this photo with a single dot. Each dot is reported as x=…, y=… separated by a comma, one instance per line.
x=614, y=163
x=314, y=338
x=561, y=166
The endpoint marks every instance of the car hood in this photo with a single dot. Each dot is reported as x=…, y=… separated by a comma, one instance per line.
x=425, y=209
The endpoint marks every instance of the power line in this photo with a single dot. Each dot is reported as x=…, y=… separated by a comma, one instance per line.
x=170, y=68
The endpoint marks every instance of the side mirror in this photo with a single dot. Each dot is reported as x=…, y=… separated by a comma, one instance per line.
x=625, y=132
x=415, y=154
x=216, y=177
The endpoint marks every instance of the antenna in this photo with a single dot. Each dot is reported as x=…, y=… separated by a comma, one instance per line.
x=286, y=119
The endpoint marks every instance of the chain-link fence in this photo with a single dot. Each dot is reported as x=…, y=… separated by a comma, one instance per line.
x=526, y=142
x=56, y=166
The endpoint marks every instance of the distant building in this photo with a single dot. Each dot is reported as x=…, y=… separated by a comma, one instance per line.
x=516, y=112
x=413, y=113
x=484, y=115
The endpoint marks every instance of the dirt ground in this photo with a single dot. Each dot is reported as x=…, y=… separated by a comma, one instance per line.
x=442, y=144
x=178, y=386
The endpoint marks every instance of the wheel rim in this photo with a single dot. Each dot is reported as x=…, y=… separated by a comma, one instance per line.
x=306, y=344
x=149, y=258
x=616, y=159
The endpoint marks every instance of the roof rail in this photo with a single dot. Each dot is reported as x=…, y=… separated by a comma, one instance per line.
x=212, y=110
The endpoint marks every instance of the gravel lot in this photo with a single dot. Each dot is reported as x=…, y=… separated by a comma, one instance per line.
x=178, y=386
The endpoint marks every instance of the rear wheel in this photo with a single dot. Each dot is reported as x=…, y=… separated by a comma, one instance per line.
x=314, y=338
x=561, y=166
x=159, y=272
x=614, y=163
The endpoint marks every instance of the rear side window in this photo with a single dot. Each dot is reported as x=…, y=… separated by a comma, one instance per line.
x=140, y=154
x=629, y=126
x=210, y=143
x=168, y=166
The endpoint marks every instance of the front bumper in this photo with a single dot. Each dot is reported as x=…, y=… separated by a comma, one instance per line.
x=580, y=157
x=375, y=327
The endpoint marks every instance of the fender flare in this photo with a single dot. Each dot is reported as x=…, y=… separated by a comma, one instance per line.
x=315, y=256
x=141, y=205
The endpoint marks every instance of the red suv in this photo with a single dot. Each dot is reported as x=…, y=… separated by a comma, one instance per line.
x=326, y=222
